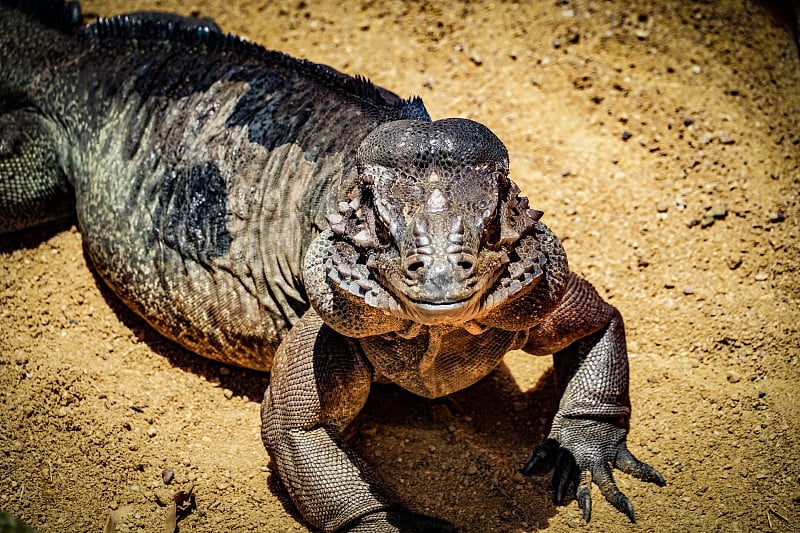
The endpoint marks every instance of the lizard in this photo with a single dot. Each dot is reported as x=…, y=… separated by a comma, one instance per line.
x=279, y=215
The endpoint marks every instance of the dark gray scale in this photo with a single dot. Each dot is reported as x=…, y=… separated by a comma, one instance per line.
x=33, y=187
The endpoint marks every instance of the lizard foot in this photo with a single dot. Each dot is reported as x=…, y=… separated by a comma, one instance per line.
x=583, y=451
x=400, y=521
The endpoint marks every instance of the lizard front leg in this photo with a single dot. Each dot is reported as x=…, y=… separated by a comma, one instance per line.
x=319, y=382
x=589, y=431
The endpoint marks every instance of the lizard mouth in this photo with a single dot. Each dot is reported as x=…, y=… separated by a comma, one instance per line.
x=441, y=313
x=446, y=296
x=441, y=307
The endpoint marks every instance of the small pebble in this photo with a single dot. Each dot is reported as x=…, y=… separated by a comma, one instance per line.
x=705, y=139
x=224, y=371
x=707, y=220
x=719, y=211
x=733, y=262
x=228, y=394
x=687, y=290
x=163, y=496
x=642, y=258
x=151, y=432
x=725, y=138
x=772, y=216
x=662, y=207
x=167, y=475
x=762, y=276
x=696, y=69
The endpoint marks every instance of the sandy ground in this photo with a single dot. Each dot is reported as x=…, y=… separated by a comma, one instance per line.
x=662, y=143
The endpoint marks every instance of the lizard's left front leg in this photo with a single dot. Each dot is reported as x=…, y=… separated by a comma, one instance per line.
x=319, y=382
x=589, y=431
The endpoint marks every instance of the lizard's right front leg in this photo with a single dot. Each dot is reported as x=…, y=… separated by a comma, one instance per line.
x=319, y=382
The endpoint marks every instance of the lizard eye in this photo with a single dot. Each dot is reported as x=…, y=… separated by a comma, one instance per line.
x=382, y=226
x=491, y=228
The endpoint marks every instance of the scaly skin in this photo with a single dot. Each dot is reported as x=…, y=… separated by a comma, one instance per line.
x=277, y=214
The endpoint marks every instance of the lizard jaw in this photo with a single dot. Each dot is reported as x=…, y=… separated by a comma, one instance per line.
x=443, y=313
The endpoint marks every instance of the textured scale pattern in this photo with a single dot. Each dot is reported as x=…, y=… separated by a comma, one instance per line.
x=437, y=362
x=277, y=214
x=22, y=132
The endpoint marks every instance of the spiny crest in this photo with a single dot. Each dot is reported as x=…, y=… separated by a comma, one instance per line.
x=158, y=26
x=189, y=30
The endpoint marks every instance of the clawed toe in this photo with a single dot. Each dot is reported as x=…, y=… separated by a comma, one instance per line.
x=592, y=468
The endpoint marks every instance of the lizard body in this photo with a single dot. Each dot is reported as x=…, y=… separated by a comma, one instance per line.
x=276, y=214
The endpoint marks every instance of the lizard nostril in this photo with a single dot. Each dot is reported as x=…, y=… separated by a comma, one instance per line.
x=465, y=262
x=414, y=264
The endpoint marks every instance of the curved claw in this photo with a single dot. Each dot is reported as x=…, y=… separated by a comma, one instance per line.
x=543, y=455
x=580, y=465
x=584, y=495
x=629, y=464
x=605, y=480
x=627, y=508
x=566, y=474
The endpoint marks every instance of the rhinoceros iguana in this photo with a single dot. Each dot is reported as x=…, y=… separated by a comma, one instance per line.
x=279, y=215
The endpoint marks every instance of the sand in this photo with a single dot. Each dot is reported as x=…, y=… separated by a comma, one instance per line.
x=662, y=143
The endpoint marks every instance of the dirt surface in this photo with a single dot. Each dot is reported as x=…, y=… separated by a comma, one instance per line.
x=661, y=142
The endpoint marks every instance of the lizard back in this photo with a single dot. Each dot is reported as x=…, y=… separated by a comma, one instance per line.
x=202, y=167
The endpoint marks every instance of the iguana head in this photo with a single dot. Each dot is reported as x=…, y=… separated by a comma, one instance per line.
x=436, y=222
